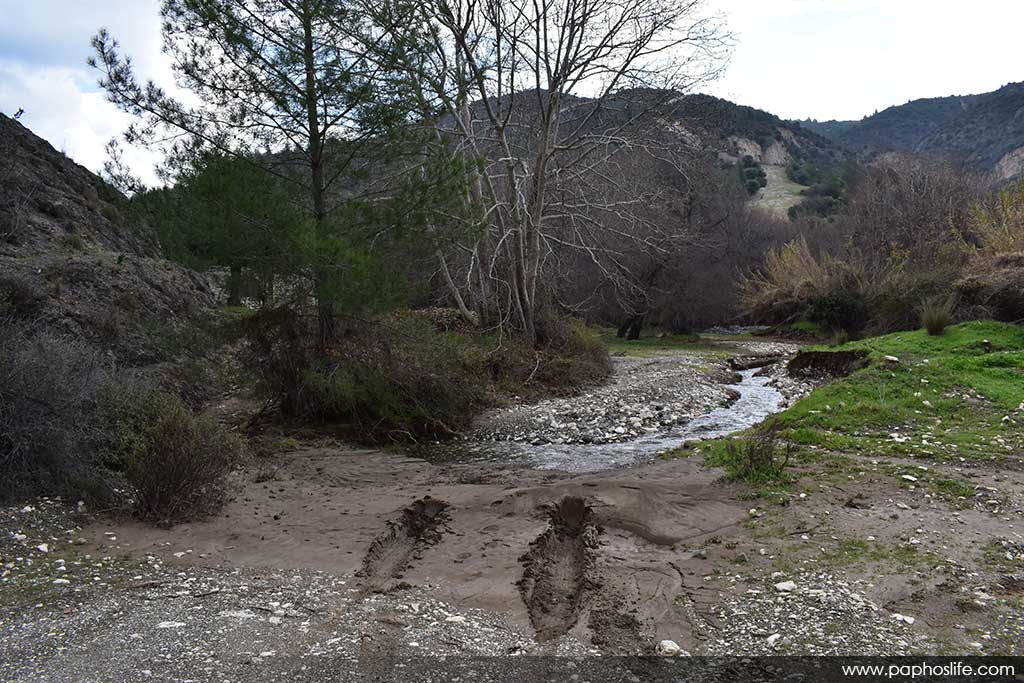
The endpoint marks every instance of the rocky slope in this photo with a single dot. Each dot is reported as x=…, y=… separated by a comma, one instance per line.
x=73, y=260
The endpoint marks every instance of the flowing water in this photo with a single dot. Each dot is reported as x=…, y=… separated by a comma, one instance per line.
x=757, y=401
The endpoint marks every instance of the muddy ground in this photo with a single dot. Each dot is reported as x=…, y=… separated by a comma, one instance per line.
x=338, y=564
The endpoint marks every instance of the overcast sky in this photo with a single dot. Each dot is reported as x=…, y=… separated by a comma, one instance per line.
x=795, y=58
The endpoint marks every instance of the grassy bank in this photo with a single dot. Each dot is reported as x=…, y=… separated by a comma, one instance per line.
x=958, y=395
x=955, y=398
x=653, y=342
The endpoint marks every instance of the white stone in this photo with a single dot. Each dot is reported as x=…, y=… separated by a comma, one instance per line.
x=785, y=586
x=668, y=648
x=238, y=614
x=773, y=638
x=170, y=624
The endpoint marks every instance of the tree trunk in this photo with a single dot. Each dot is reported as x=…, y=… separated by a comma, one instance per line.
x=325, y=303
x=235, y=285
x=454, y=290
x=636, y=325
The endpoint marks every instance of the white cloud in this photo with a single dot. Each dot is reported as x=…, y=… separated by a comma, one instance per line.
x=848, y=58
x=74, y=119
x=43, y=48
x=795, y=58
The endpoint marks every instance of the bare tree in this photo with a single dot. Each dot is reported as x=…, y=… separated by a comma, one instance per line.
x=546, y=94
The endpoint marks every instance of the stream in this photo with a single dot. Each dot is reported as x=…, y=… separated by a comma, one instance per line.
x=756, y=401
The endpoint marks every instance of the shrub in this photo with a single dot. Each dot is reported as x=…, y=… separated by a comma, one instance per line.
x=839, y=337
x=998, y=224
x=50, y=434
x=19, y=297
x=73, y=424
x=402, y=378
x=757, y=458
x=571, y=356
x=792, y=277
x=393, y=379
x=839, y=309
x=176, y=463
x=937, y=314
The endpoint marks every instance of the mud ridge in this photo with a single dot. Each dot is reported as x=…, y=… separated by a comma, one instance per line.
x=392, y=552
x=555, y=569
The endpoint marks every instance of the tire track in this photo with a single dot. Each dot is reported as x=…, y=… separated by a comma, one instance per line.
x=555, y=569
x=391, y=553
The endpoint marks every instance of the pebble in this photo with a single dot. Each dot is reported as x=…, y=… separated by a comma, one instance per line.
x=170, y=624
x=669, y=648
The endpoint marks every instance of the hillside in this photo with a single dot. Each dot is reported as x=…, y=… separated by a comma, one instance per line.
x=729, y=132
x=73, y=260
x=738, y=130
x=985, y=131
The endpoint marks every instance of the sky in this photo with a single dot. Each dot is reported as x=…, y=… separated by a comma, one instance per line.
x=823, y=59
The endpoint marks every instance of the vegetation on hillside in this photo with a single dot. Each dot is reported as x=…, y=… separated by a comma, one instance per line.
x=977, y=129
x=909, y=235
x=751, y=174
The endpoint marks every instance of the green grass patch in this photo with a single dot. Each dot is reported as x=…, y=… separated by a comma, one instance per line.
x=945, y=398
x=654, y=342
x=857, y=550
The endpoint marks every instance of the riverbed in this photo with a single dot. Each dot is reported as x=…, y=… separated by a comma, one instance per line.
x=708, y=415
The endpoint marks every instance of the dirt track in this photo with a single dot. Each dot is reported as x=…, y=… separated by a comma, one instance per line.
x=362, y=513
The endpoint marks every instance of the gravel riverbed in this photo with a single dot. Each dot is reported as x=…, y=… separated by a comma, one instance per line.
x=644, y=397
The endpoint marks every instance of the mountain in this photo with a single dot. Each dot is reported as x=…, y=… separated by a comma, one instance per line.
x=73, y=260
x=736, y=130
x=985, y=131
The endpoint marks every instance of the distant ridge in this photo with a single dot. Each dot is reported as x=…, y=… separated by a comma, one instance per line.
x=985, y=131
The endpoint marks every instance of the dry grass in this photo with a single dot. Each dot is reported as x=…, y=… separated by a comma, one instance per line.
x=999, y=224
x=792, y=276
x=937, y=314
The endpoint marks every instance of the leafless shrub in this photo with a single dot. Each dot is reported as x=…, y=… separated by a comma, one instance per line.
x=50, y=431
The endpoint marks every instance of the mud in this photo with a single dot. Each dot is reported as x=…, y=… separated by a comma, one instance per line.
x=554, y=583
x=827, y=363
x=390, y=554
x=364, y=556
